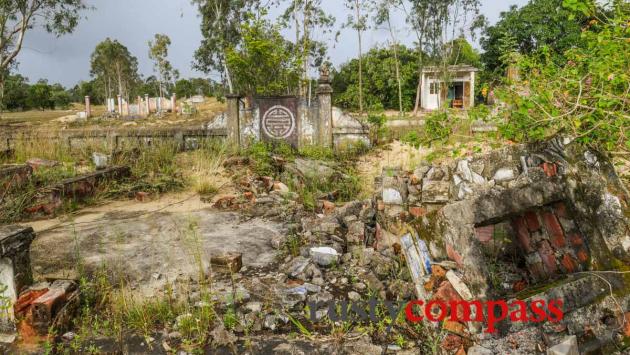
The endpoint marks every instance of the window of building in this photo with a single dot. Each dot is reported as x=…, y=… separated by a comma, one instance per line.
x=433, y=88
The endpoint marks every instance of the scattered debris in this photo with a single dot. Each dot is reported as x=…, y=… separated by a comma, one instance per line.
x=324, y=256
x=232, y=261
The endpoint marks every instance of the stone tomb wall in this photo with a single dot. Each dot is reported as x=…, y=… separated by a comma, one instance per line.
x=538, y=222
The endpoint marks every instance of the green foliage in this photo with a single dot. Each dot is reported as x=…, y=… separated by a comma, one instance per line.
x=20, y=95
x=380, y=88
x=196, y=86
x=540, y=23
x=115, y=68
x=586, y=96
x=479, y=113
x=438, y=126
x=17, y=17
x=264, y=63
x=158, y=52
x=41, y=95
x=16, y=92
x=221, y=28
x=461, y=52
x=261, y=155
x=412, y=138
x=317, y=152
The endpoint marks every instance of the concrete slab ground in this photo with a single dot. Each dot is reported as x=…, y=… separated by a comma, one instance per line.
x=149, y=244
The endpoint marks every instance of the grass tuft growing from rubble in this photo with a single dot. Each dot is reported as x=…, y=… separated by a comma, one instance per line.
x=268, y=160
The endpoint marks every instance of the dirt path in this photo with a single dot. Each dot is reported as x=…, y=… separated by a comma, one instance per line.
x=149, y=243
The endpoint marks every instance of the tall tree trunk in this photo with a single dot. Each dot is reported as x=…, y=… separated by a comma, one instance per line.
x=397, y=62
x=2, y=79
x=357, y=2
x=120, y=81
x=305, y=53
x=416, y=107
x=228, y=75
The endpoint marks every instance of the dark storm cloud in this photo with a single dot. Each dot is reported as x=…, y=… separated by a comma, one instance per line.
x=134, y=22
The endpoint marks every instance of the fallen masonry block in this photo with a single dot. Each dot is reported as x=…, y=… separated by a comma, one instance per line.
x=231, y=261
x=569, y=346
x=85, y=185
x=47, y=307
x=435, y=191
x=15, y=273
x=324, y=256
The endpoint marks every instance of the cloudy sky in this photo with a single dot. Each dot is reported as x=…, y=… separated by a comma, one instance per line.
x=135, y=22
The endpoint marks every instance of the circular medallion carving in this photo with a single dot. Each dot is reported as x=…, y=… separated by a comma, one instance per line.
x=278, y=122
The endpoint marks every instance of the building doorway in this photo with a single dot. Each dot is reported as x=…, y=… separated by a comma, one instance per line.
x=456, y=95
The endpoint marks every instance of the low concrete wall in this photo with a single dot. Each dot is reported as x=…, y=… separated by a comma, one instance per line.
x=187, y=138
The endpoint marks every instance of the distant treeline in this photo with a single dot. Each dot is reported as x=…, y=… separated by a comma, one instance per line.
x=21, y=95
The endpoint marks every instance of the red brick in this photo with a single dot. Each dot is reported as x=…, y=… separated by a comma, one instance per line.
x=554, y=230
x=626, y=326
x=446, y=293
x=548, y=258
x=550, y=169
x=418, y=211
x=532, y=221
x=225, y=202
x=452, y=343
x=582, y=255
x=576, y=240
x=142, y=196
x=522, y=234
x=569, y=264
x=454, y=255
x=519, y=286
x=44, y=308
x=438, y=271
x=329, y=207
x=561, y=210
x=25, y=300
x=484, y=234
x=454, y=327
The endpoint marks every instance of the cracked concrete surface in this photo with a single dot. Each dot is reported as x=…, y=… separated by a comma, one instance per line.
x=165, y=244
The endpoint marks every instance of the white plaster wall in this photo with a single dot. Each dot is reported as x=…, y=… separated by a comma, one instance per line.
x=8, y=296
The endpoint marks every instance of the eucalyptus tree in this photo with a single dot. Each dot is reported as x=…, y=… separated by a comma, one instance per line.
x=17, y=17
x=357, y=20
x=383, y=13
x=158, y=52
x=221, y=29
x=114, y=66
x=308, y=19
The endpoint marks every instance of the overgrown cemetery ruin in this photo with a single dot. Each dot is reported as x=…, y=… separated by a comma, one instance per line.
x=458, y=188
